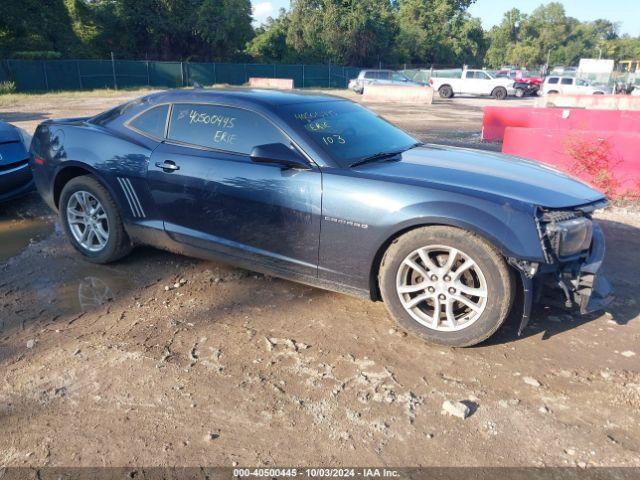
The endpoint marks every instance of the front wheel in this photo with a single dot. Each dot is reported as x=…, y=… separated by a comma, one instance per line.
x=519, y=92
x=448, y=285
x=92, y=222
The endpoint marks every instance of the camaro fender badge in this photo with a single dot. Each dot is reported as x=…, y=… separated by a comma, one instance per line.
x=348, y=223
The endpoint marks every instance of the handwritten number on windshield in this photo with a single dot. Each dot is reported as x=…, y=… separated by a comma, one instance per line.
x=333, y=140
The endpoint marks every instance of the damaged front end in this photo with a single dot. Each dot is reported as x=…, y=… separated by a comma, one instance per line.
x=574, y=247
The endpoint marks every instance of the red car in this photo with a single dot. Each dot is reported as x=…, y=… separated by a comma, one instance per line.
x=526, y=83
x=522, y=76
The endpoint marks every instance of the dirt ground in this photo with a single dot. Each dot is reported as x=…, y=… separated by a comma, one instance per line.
x=166, y=360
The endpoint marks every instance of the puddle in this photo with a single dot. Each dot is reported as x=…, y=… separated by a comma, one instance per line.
x=67, y=291
x=89, y=287
x=17, y=234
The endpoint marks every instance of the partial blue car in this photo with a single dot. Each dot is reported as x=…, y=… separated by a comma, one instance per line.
x=321, y=190
x=15, y=174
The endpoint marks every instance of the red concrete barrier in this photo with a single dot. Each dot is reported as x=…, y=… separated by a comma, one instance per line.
x=496, y=119
x=598, y=102
x=279, y=83
x=414, y=95
x=607, y=160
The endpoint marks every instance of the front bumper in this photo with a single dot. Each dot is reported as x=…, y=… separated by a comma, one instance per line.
x=581, y=283
x=591, y=290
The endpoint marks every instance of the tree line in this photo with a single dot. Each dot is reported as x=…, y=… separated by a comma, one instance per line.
x=347, y=32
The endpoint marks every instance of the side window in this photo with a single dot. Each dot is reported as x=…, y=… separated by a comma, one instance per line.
x=470, y=75
x=553, y=80
x=224, y=128
x=481, y=76
x=385, y=75
x=371, y=75
x=152, y=122
x=567, y=81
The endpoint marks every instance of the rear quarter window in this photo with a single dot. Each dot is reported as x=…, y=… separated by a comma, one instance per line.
x=151, y=122
x=567, y=81
x=230, y=129
x=552, y=80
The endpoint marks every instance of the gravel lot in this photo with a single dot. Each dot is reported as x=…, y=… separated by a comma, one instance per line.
x=166, y=360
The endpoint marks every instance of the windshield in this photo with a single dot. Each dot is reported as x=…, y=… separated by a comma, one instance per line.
x=346, y=131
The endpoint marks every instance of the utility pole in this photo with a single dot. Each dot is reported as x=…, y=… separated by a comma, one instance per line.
x=599, y=53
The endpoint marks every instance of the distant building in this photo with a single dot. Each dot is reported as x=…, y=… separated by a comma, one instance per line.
x=631, y=66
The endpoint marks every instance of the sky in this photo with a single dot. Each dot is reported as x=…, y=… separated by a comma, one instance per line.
x=627, y=12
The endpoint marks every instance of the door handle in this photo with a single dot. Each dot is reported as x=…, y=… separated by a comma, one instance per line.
x=168, y=166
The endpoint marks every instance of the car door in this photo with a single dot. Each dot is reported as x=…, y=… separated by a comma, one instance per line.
x=483, y=85
x=567, y=85
x=371, y=77
x=213, y=196
x=473, y=83
x=384, y=78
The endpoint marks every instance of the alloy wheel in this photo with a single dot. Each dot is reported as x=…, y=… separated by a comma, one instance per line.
x=442, y=288
x=87, y=221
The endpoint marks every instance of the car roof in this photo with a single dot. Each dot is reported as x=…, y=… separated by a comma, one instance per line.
x=268, y=98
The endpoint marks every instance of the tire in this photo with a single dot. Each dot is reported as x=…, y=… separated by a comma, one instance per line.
x=598, y=93
x=499, y=93
x=445, y=91
x=489, y=274
x=552, y=92
x=520, y=92
x=117, y=243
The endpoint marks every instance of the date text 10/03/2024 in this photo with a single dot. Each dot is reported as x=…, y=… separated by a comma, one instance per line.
x=316, y=472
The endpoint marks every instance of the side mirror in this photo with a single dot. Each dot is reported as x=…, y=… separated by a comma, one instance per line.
x=278, y=154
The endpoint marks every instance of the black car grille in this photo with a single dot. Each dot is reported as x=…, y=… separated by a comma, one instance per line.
x=11, y=166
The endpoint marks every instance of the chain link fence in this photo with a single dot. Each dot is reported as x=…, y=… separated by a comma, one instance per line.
x=55, y=75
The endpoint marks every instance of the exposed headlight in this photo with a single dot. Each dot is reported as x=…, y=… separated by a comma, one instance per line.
x=26, y=138
x=569, y=237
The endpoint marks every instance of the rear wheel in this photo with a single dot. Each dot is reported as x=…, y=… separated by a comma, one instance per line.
x=445, y=91
x=499, y=93
x=92, y=222
x=520, y=92
x=448, y=285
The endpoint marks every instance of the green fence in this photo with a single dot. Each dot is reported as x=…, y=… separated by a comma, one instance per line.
x=47, y=75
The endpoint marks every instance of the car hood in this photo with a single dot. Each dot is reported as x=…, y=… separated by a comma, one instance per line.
x=480, y=172
x=532, y=79
x=9, y=133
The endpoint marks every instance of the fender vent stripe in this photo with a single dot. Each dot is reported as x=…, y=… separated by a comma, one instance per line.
x=132, y=197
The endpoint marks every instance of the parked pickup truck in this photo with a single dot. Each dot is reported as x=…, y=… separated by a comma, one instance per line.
x=473, y=82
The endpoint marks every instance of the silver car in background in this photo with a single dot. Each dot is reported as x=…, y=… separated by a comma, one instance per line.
x=379, y=77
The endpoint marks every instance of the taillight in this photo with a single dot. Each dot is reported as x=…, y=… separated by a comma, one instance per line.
x=38, y=160
x=431, y=81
